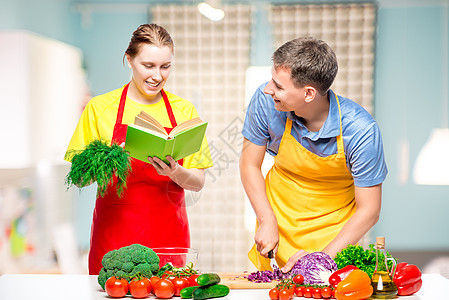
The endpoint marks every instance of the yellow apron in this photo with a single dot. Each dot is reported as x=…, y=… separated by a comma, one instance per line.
x=311, y=196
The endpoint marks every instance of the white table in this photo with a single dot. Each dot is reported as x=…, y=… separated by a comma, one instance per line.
x=85, y=287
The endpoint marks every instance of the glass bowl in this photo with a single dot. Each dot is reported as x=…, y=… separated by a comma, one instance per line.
x=177, y=256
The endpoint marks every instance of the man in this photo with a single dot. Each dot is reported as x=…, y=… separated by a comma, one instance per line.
x=324, y=189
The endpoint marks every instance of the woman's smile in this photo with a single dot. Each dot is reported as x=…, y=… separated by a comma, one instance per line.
x=153, y=85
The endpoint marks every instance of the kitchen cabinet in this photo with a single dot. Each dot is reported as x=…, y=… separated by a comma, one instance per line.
x=43, y=87
x=75, y=287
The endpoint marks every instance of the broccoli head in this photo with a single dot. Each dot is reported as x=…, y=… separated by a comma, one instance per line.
x=128, y=262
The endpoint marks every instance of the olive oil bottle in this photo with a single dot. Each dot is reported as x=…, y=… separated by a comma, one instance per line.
x=382, y=280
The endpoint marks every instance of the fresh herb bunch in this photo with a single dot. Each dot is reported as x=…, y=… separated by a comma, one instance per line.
x=363, y=259
x=99, y=162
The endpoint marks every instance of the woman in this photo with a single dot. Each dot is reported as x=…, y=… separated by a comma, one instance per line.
x=151, y=210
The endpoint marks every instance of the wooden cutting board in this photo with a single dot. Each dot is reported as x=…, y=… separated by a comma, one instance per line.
x=238, y=281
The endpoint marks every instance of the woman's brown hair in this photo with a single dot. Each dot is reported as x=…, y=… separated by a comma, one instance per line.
x=151, y=34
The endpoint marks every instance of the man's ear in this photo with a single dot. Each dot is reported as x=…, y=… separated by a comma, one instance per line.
x=310, y=93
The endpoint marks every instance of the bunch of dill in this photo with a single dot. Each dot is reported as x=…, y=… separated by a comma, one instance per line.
x=99, y=162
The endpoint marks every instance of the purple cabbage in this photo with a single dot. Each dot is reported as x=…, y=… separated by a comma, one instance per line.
x=267, y=276
x=316, y=267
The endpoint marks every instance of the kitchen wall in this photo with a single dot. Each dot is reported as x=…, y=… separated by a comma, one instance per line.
x=410, y=84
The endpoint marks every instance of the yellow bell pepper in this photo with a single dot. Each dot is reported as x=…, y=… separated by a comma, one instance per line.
x=356, y=286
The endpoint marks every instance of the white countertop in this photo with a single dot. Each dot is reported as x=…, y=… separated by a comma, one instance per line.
x=85, y=287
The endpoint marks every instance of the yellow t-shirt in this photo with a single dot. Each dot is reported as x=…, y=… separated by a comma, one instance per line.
x=98, y=119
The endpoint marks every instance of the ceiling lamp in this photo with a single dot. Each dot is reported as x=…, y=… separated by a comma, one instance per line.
x=213, y=14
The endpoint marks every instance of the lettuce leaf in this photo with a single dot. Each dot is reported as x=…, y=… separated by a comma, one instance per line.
x=363, y=259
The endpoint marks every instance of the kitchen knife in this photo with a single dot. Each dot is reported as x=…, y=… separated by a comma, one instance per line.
x=273, y=261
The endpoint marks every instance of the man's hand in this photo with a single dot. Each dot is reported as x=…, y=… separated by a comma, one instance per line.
x=267, y=238
x=292, y=260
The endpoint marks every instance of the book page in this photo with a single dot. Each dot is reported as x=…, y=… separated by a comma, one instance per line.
x=143, y=116
x=185, y=125
x=150, y=126
x=153, y=132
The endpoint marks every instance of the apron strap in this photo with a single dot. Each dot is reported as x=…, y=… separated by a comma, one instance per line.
x=339, y=138
x=121, y=109
x=171, y=116
x=340, y=146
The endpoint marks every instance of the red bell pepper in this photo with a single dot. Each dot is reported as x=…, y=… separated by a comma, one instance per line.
x=340, y=275
x=407, y=278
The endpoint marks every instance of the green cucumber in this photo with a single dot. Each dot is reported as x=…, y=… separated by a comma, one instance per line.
x=187, y=293
x=208, y=279
x=210, y=291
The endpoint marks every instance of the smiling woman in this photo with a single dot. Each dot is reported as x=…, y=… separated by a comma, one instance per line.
x=154, y=192
x=149, y=55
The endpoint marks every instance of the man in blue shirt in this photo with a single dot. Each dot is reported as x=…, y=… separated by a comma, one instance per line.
x=324, y=190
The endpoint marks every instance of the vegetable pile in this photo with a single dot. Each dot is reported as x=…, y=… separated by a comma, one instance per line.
x=348, y=277
x=99, y=162
x=134, y=270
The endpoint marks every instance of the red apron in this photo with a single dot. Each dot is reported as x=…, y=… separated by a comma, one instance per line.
x=151, y=211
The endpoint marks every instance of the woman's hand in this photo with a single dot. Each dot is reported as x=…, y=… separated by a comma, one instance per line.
x=189, y=179
x=162, y=168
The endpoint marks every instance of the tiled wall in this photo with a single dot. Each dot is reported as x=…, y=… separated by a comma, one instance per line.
x=211, y=59
x=209, y=70
x=348, y=28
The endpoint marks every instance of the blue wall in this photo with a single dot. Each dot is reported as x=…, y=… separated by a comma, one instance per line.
x=409, y=88
x=410, y=85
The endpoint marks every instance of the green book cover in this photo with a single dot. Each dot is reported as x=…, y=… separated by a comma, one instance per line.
x=141, y=142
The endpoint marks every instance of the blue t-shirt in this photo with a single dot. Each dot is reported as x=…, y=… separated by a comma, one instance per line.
x=264, y=125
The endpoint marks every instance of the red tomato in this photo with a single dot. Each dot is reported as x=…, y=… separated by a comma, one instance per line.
x=140, y=288
x=284, y=294
x=298, y=279
x=153, y=280
x=164, y=289
x=307, y=292
x=299, y=290
x=116, y=288
x=316, y=293
x=326, y=292
x=292, y=291
x=179, y=283
x=192, y=279
x=274, y=294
